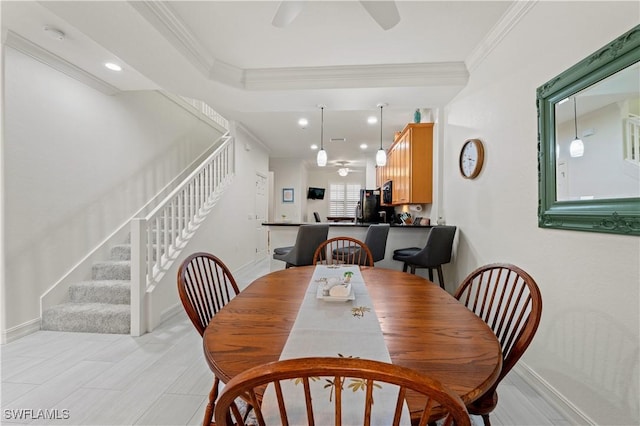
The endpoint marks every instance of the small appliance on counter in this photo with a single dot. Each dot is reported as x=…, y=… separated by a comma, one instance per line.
x=369, y=206
x=387, y=190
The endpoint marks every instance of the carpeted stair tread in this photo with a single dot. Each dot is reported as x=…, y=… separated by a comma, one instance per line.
x=101, y=291
x=111, y=270
x=121, y=252
x=88, y=318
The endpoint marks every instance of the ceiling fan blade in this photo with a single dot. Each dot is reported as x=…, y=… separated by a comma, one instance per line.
x=286, y=13
x=385, y=13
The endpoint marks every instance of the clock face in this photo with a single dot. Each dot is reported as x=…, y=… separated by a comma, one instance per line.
x=471, y=158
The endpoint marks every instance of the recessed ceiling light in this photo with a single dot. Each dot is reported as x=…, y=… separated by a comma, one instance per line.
x=314, y=146
x=113, y=67
x=372, y=120
x=303, y=122
x=363, y=146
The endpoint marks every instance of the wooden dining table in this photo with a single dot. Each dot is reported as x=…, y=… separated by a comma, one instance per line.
x=424, y=328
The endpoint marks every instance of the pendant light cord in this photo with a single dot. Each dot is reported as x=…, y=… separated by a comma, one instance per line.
x=321, y=128
x=381, y=106
x=575, y=116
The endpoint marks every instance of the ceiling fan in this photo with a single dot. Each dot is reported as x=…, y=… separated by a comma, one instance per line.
x=343, y=170
x=384, y=12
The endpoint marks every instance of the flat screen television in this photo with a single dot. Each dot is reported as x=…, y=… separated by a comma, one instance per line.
x=315, y=193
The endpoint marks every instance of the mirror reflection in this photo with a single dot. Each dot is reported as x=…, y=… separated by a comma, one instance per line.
x=598, y=139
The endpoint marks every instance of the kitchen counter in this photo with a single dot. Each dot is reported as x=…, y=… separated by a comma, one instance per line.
x=342, y=224
x=283, y=234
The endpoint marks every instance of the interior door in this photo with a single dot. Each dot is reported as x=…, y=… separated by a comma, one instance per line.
x=261, y=205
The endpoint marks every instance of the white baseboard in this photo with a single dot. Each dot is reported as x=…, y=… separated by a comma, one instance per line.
x=14, y=333
x=170, y=312
x=552, y=396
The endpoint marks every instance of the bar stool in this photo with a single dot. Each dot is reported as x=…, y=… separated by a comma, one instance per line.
x=435, y=253
x=308, y=239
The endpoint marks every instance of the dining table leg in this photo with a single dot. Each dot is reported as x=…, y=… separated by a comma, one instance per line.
x=213, y=395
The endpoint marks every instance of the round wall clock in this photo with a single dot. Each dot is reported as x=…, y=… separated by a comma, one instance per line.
x=471, y=158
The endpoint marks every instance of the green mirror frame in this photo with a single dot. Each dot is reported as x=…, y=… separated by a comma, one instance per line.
x=614, y=216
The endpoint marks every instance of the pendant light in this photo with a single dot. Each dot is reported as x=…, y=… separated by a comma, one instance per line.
x=321, y=159
x=381, y=155
x=576, y=149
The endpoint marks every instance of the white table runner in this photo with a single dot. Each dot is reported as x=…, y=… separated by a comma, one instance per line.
x=335, y=329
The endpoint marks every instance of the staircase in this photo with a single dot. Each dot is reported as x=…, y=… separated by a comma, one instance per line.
x=102, y=305
x=114, y=300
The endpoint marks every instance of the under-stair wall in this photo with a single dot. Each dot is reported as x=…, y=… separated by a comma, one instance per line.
x=76, y=171
x=98, y=305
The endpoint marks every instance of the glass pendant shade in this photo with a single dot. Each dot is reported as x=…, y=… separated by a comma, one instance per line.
x=381, y=155
x=322, y=158
x=576, y=149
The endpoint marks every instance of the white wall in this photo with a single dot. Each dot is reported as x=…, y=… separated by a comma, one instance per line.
x=586, y=347
x=77, y=164
x=289, y=173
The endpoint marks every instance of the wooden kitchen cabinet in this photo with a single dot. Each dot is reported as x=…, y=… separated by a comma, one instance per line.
x=410, y=165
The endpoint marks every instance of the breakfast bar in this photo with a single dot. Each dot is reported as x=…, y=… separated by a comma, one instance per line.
x=282, y=234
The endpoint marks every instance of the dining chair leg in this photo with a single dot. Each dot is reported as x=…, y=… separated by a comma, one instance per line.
x=440, y=277
x=485, y=419
x=213, y=395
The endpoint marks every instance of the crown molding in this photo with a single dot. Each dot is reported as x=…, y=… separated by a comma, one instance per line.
x=228, y=74
x=381, y=75
x=508, y=21
x=238, y=126
x=54, y=61
x=163, y=18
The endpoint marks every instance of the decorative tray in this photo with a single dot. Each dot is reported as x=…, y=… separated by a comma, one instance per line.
x=350, y=296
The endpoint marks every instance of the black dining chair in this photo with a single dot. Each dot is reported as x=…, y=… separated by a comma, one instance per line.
x=432, y=256
x=307, y=241
x=316, y=216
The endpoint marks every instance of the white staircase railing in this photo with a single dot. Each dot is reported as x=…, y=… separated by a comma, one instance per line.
x=157, y=239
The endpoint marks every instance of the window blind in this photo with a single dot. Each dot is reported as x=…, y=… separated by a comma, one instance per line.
x=343, y=199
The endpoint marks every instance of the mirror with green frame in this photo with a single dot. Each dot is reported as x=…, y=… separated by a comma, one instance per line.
x=589, y=142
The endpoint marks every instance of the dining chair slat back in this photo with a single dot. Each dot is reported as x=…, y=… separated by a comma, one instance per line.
x=340, y=373
x=508, y=300
x=343, y=250
x=205, y=286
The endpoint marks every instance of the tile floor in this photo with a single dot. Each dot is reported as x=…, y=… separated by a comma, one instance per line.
x=160, y=378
